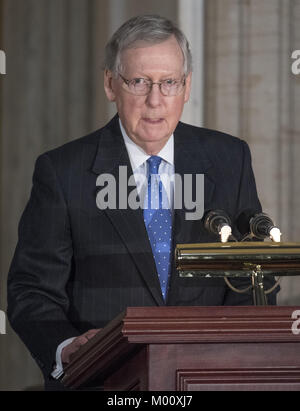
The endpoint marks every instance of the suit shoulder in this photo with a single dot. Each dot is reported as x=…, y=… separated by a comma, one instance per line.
x=75, y=153
x=78, y=144
x=83, y=148
x=208, y=136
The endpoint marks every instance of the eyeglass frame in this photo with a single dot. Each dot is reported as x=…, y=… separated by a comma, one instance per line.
x=152, y=83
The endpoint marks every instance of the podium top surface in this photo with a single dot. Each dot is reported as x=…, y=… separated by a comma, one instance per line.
x=250, y=246
x=239, y=257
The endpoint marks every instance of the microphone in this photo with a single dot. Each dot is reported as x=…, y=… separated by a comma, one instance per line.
x=258, y=225
x=218, y=222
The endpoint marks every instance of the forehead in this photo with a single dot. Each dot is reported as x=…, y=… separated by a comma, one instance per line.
x=163, y=57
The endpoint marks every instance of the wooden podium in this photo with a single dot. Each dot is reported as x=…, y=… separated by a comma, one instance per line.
x=192, y=349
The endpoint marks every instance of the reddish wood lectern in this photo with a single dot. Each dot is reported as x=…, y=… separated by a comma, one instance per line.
x=193, y=349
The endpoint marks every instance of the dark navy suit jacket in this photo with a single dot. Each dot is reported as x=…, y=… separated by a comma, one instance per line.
x=77, y=267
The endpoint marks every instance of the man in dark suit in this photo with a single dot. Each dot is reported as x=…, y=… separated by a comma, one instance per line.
x=77, y=265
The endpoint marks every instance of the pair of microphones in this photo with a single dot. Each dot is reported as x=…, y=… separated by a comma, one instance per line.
x=250, y=223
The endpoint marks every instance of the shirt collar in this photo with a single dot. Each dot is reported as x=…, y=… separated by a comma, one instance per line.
x=138, y=156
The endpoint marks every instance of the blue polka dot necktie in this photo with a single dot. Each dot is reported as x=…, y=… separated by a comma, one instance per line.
x=158, y=222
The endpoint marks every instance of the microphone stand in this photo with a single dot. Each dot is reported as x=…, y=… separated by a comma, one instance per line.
x=257, y=278
x=259, y=294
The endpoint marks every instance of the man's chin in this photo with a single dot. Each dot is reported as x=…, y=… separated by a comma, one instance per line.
x=154, y=132
x=152, y=145
x=154, y=138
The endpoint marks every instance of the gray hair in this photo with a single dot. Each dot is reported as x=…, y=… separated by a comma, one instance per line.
x=152, y=29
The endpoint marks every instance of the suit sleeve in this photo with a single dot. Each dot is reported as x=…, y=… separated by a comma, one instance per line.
x=247, y=199
x=37, y=298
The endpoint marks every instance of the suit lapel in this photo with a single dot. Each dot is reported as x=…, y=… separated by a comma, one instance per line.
x=112, y=154
x=190, y=157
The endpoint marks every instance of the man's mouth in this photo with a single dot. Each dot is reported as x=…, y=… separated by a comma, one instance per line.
x=153, y=120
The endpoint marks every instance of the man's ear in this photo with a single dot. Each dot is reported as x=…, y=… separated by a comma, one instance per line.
x=108, y=85
x=188, y=87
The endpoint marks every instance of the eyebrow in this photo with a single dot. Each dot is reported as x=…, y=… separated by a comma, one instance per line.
x=164, y=77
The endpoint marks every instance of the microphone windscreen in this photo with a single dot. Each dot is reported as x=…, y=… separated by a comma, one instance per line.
x=261, y=225
x=214, y=218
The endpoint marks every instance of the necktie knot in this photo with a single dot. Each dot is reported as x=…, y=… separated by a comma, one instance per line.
x=154, y=162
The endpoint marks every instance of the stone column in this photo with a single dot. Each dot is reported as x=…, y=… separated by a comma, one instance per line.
x=251, y=92
x=191, y=20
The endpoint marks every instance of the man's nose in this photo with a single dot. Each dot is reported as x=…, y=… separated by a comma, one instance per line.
x=154, y=98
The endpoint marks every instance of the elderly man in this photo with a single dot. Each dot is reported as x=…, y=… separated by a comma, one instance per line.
x=77, y=264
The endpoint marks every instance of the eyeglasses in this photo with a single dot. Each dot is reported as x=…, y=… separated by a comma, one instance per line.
x=143, y=86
